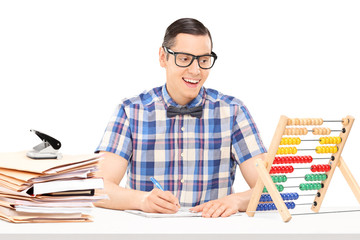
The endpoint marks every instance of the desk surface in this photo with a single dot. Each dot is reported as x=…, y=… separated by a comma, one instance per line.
x=112, y=224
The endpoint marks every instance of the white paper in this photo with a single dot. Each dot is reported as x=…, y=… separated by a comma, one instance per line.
x=183, y=212
x=61, y=186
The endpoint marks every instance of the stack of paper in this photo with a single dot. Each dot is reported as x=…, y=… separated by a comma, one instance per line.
x=54, y=190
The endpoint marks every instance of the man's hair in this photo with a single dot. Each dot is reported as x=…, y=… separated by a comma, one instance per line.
x=184, y=25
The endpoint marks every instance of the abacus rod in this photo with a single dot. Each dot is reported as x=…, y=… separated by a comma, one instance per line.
x=333, y=121
x=302, y=168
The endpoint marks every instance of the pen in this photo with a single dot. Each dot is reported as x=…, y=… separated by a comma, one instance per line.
x=157, y=184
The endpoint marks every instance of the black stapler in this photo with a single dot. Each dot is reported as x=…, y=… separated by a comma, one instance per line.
x=48, y=149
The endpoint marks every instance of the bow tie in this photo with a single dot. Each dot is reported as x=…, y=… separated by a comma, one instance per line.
x=194, y=112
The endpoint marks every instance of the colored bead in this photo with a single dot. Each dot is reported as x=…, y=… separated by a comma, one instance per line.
x=296, y=196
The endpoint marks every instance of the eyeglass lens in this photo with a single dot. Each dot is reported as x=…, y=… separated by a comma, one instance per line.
x=184, y=60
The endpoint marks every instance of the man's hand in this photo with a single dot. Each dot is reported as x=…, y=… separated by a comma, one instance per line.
x=223, y=207
x=158, y=201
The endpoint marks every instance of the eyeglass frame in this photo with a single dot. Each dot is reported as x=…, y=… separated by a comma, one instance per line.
x=193, y=57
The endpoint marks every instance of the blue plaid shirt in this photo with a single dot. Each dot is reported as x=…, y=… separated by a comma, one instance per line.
x=194, y=158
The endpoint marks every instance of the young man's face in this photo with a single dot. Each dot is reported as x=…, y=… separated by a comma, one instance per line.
x=184, y=83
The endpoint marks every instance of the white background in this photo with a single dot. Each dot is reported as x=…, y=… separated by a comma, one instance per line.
x=65, y=65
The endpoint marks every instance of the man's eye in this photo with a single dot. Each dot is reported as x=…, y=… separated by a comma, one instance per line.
x=184, y=59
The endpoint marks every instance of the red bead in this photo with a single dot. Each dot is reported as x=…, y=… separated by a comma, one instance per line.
x=313, y=168
x=309, y=159
x=327, y=167
x=291, y=169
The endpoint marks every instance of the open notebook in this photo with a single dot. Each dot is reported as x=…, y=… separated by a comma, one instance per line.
x=183, y=212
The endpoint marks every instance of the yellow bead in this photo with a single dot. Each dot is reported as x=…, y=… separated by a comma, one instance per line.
x=335, y=149
x=318, y=149
x=294, y=150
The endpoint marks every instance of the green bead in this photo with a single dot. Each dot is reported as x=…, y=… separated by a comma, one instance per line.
x=284, y=178
x=307, y=186
x=276, y=179
x=307, y=177
x=318, y=186
x=265, y=190
x=281, y=188
x=302, y=186
x=324, y=177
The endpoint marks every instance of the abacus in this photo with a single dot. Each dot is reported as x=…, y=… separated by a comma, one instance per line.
x=291, y=134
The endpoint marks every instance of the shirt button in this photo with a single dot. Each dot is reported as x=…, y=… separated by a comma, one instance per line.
x=182, y=154
x=182, y=129
x=182, y=180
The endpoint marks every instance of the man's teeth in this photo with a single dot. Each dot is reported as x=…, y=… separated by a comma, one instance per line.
x=191, y=80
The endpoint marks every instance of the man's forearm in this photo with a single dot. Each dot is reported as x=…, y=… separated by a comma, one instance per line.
x=243, y=199
x=120, y=198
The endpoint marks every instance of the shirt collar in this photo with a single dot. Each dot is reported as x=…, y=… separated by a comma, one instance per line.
x=199, y=100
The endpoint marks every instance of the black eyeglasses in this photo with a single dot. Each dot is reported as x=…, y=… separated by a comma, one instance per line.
x=182, y=59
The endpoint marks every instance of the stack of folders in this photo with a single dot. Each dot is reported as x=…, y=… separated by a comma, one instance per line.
x=51, y=190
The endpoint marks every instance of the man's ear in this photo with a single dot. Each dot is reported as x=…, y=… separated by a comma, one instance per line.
x=162, y=57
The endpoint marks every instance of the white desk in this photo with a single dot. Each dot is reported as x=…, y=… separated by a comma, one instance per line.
x=111, y=224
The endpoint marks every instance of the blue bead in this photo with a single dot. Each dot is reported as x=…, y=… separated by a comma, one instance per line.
x=261, y=207
x=286, y=197
x=266, y=207
x=292, y=205
x=293, y=196
x=296, y=196
x=273, y=207
x=289, y=196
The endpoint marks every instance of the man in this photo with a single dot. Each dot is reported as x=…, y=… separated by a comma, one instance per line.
x=187, y=137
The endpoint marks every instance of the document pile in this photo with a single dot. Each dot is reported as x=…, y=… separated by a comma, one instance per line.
x=48, y=190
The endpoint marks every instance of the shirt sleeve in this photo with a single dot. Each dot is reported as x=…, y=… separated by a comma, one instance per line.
x=245, y=137
x=117, y=136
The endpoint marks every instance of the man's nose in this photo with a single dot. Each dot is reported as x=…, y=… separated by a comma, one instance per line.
x=194, y=67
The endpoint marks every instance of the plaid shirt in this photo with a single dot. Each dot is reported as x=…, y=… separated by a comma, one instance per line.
x=193, y=158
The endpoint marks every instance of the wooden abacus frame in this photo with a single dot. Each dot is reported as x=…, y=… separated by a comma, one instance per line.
x=263, y=168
